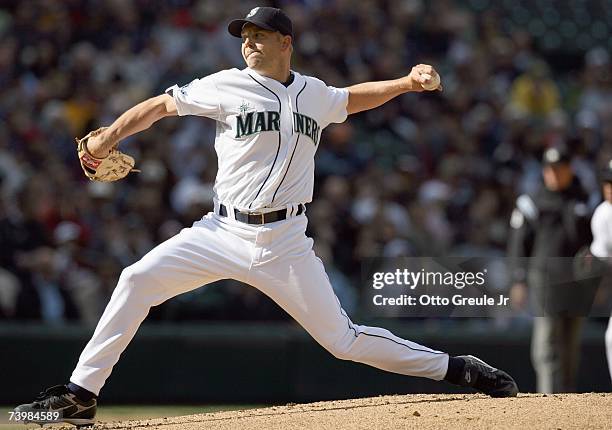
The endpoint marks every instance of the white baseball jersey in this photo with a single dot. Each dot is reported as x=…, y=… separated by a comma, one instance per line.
x=601, y=226
x=267, y=134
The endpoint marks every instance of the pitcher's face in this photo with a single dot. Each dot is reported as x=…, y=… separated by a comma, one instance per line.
x=261, y=49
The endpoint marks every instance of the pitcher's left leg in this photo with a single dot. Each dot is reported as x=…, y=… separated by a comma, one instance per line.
x=286, y=269
x=301, y=287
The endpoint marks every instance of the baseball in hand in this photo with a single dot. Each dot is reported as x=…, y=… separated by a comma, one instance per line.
x=430, y=82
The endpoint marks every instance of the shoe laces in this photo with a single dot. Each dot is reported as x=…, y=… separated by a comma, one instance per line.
x=486, y=376
x=55, y=391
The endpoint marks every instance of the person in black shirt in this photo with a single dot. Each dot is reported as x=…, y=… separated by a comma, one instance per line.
x=550, y=228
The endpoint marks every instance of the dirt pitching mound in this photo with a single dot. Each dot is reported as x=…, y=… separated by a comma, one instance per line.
x=423, y=411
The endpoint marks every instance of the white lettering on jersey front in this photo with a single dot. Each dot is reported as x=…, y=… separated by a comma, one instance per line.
x=267, y=134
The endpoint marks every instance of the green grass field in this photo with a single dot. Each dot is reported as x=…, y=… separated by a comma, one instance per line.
x=131, y=412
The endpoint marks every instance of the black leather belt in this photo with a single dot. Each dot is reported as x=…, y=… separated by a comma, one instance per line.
x=259, y=218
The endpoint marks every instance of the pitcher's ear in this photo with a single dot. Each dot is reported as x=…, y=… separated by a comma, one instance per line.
x=287, y=41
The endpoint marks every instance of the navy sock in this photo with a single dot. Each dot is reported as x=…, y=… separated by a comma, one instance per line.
x=81, y=393
x=455, y=369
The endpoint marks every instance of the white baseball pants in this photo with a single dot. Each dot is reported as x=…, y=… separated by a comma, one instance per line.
x=277, y=259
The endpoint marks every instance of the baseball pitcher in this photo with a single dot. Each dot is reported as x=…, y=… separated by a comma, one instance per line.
x=269, y=120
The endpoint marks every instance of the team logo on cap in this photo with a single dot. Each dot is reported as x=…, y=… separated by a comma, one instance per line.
x=252, y=12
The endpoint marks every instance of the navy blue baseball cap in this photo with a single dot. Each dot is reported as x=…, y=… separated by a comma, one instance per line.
x=268, y=18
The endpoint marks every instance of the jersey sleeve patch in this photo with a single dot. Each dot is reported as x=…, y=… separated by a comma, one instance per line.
x=199, y=97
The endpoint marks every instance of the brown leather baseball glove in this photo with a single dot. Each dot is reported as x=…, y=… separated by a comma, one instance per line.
x=113, y=167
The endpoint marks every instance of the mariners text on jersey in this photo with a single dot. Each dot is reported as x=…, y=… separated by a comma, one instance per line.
x=256, y=122
x=307, y=126
x=264, y=121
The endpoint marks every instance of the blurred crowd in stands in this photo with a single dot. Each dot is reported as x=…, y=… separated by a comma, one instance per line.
x=426, y=174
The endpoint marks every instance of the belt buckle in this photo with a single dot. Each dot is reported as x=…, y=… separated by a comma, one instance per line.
x=260, y=214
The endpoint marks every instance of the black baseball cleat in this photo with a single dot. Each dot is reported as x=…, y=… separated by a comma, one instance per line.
x=57, y=404
x=487, y=379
